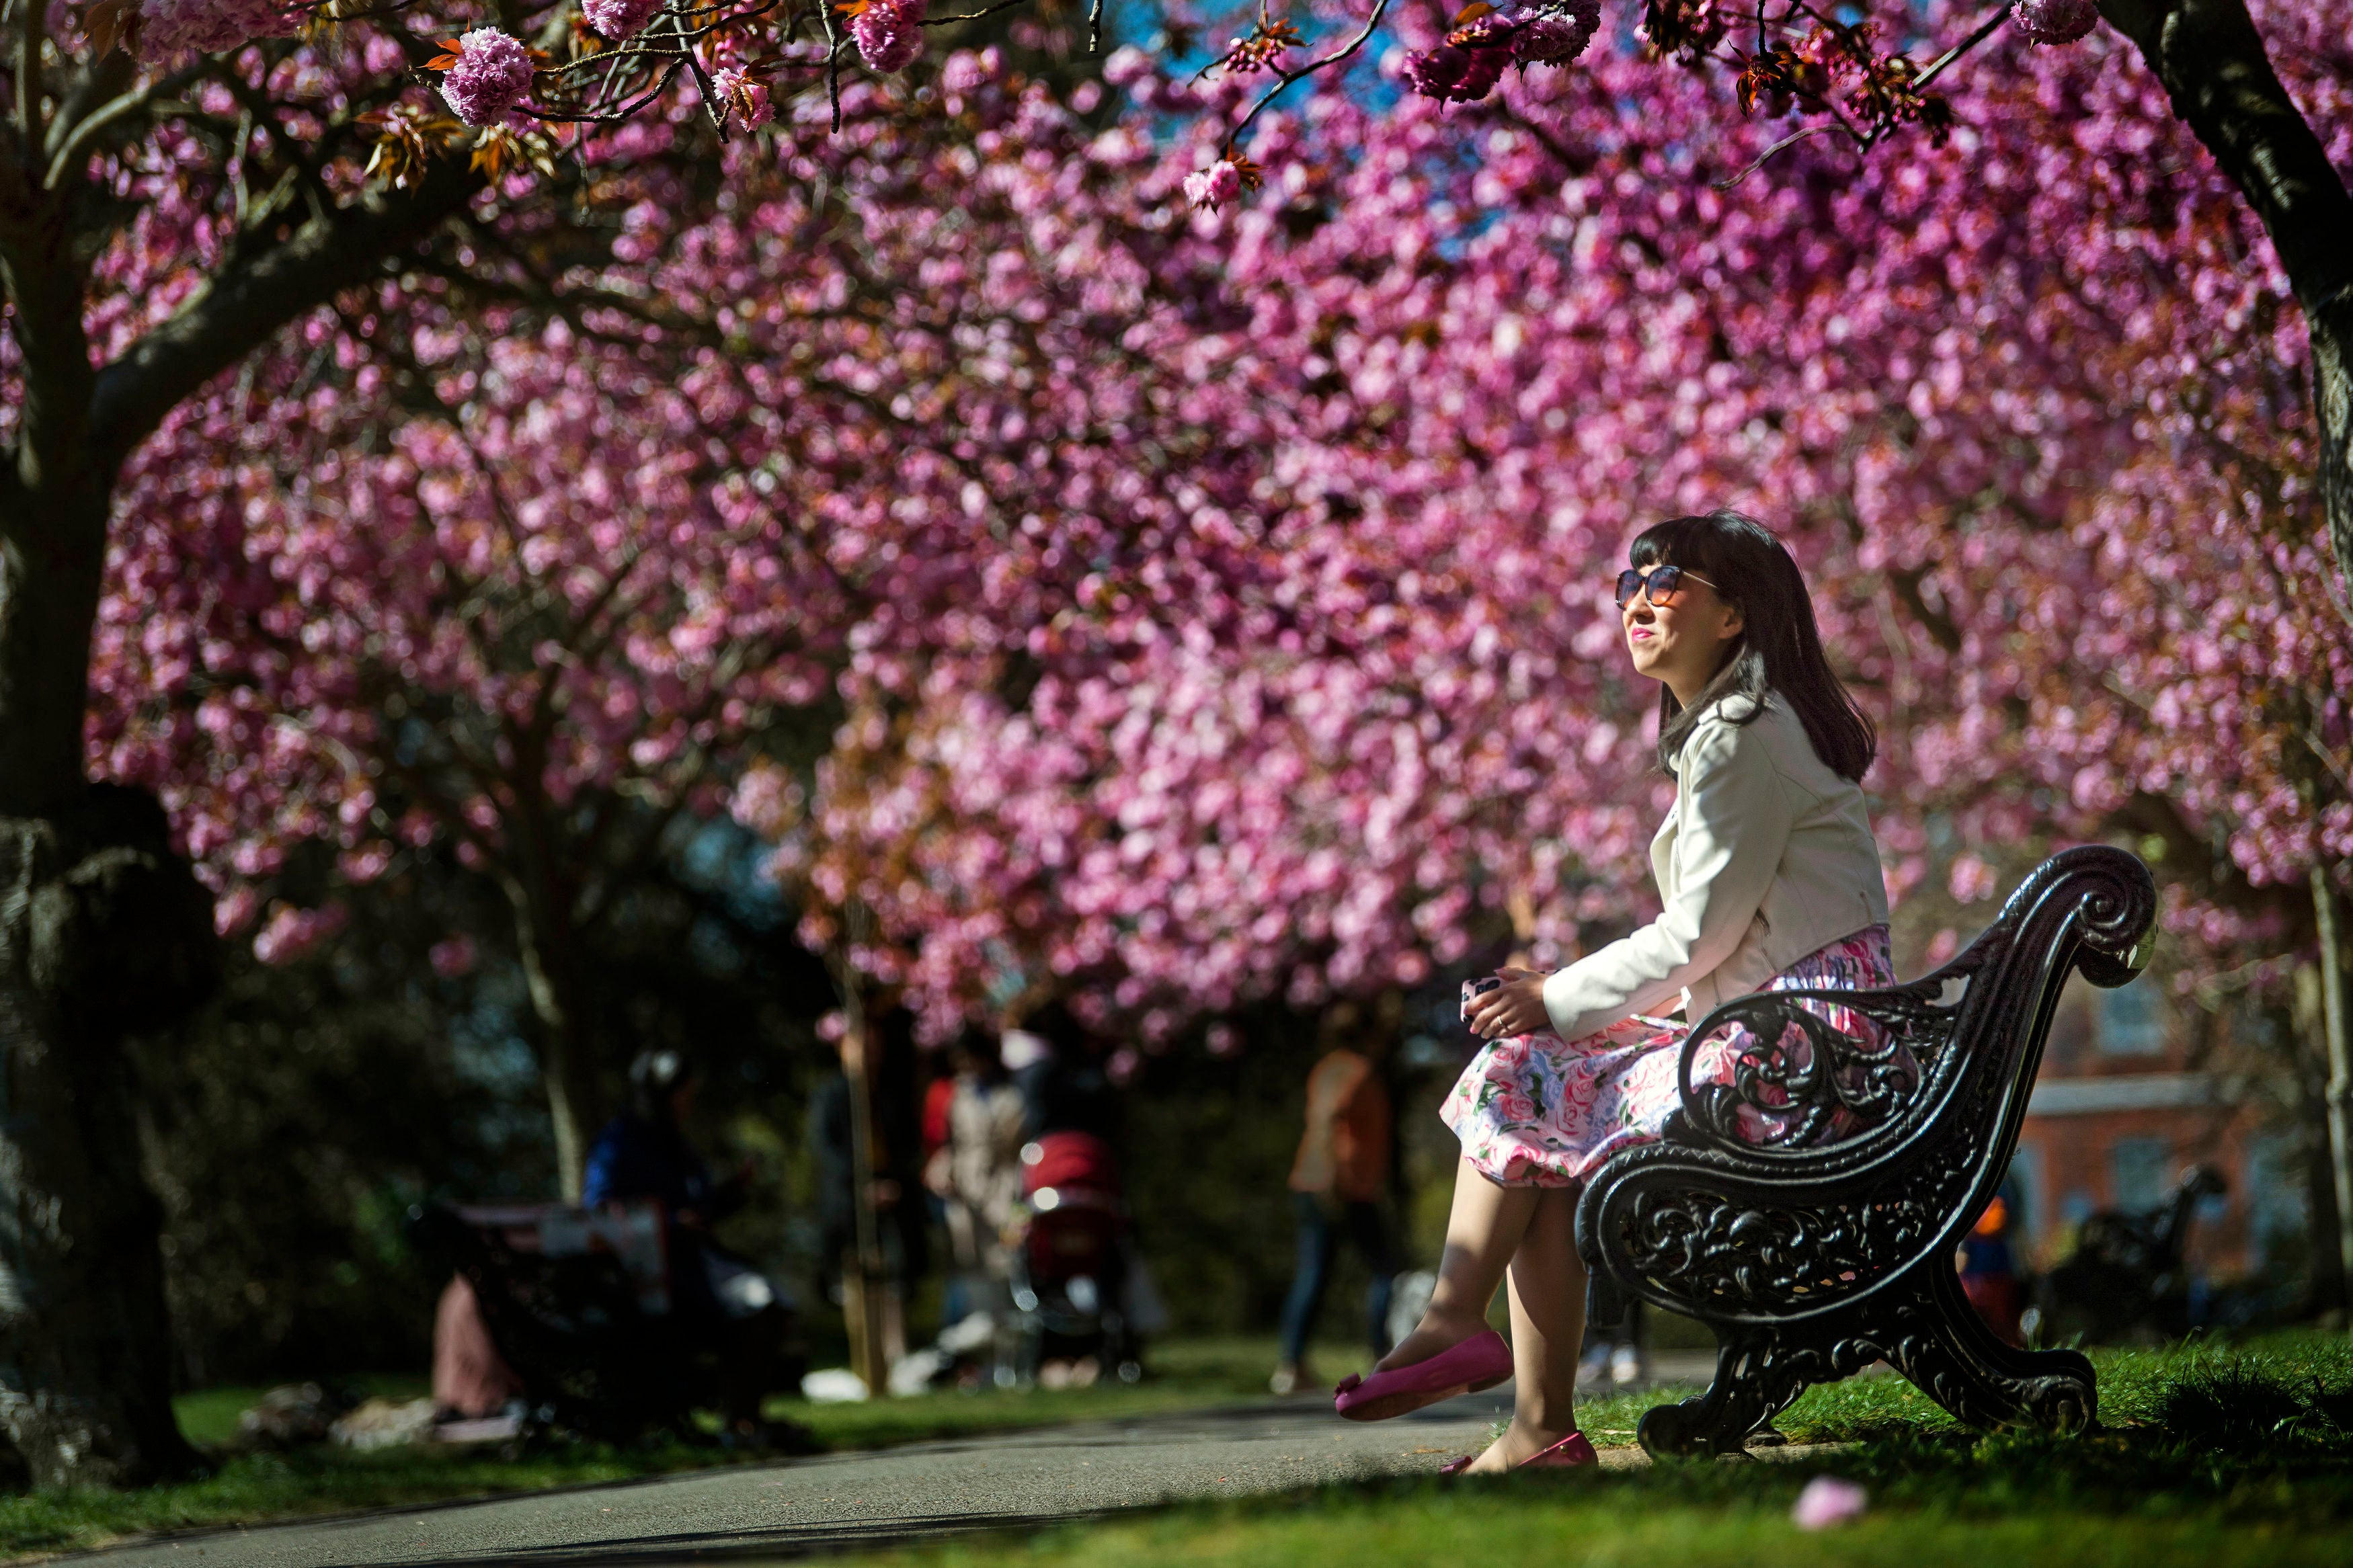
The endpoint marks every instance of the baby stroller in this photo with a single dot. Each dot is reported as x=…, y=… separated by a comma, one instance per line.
x=1069, y=1270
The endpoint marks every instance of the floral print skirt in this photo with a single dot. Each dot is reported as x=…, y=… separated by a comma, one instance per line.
x=1536, y=1111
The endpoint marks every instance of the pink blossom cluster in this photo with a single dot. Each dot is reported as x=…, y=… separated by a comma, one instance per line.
x=889, y=34
x=746, y=97
x=1214, y=186
x=619, y=19
x=1471, y=59
x=2055, y=21
x=168, y=28
x=491, y=76
x=1454, y=73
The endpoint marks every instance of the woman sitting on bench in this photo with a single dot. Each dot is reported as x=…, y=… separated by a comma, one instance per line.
x=1771, y=880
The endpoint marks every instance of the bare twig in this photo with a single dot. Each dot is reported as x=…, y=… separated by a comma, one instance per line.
x=78, y=144
x=974, y=16
x=1789, y=140
x=1985, y=29
x=33, y=18
x=832, y=61
x=1286, y=78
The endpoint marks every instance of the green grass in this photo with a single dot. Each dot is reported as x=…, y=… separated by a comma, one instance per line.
x=249, y=1489
x=2209, y=1455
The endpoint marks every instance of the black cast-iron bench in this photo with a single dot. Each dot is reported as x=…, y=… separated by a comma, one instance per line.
x=1809, y=1211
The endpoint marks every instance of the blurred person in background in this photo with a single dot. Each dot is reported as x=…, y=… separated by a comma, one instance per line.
x=1335, y=1185
x=1060, y=1067
x=938, y=1094
x=975, y=1171
x=1614, y=1351
x=720, y=1301
x=1988, y=1271
x=1064, y=1088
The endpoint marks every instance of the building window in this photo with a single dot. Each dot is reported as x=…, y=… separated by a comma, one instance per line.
x=2132, y=1020
x=2140, y=1172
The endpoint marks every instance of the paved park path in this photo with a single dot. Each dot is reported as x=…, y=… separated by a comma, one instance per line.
x=744, y=1516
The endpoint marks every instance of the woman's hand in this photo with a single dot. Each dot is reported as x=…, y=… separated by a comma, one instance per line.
x=1514, y=1007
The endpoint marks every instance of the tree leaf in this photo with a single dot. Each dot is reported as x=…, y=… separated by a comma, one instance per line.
x=109, y=24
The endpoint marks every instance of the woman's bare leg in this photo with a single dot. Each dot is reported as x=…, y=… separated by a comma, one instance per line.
x=1482, y=1231
x=1548, y=1290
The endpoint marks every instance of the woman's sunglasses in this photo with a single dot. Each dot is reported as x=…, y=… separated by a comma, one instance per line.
x=1664, y=584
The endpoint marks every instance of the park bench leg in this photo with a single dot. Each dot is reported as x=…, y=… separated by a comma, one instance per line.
x=1949, y=1354
x=1924, y=1326
x=1757, y=1377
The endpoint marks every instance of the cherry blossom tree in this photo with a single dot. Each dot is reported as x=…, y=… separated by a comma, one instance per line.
x=182, y=181
x=164, y=212
x=2051, y=459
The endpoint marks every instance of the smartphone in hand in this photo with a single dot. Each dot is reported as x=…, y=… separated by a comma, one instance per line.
x=1479, y=987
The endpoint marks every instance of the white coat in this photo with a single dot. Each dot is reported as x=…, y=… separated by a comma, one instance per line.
x=1766, y=856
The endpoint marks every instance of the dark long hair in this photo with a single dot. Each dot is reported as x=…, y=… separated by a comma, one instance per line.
x=1779, y=648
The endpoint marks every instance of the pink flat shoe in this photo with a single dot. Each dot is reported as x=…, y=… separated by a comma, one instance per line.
x=1569, y=1452
x=1482, y=1361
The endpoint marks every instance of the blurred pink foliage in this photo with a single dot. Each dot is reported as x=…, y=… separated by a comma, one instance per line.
x=1216, y=602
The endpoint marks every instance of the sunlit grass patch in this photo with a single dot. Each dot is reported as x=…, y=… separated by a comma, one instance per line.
x=2208, y=1454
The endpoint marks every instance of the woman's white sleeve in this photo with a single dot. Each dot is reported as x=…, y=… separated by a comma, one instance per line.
x=1736, y=821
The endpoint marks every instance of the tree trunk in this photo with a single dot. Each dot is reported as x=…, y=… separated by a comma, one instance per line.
x=102, y=930
x=104, y=933
x=864, y=1277
x=2214, y=66
x=2336, y=1038
x=549, y=943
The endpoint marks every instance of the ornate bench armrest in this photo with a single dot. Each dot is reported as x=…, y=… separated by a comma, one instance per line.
x=1789, y=1070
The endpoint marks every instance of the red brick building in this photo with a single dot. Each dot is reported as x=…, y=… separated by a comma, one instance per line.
x=2118, y=1114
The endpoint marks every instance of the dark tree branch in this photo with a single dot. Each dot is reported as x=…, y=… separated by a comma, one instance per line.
x=32, y=19
x=1906, y=583
x=2213, y=64
x=234, y=313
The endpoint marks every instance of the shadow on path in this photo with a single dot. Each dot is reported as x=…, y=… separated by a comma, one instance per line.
x=781, y=1544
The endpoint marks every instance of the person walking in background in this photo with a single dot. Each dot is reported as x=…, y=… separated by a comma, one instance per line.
x=976, y=1171
x=1613, y=1351
x=1335, y=1185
